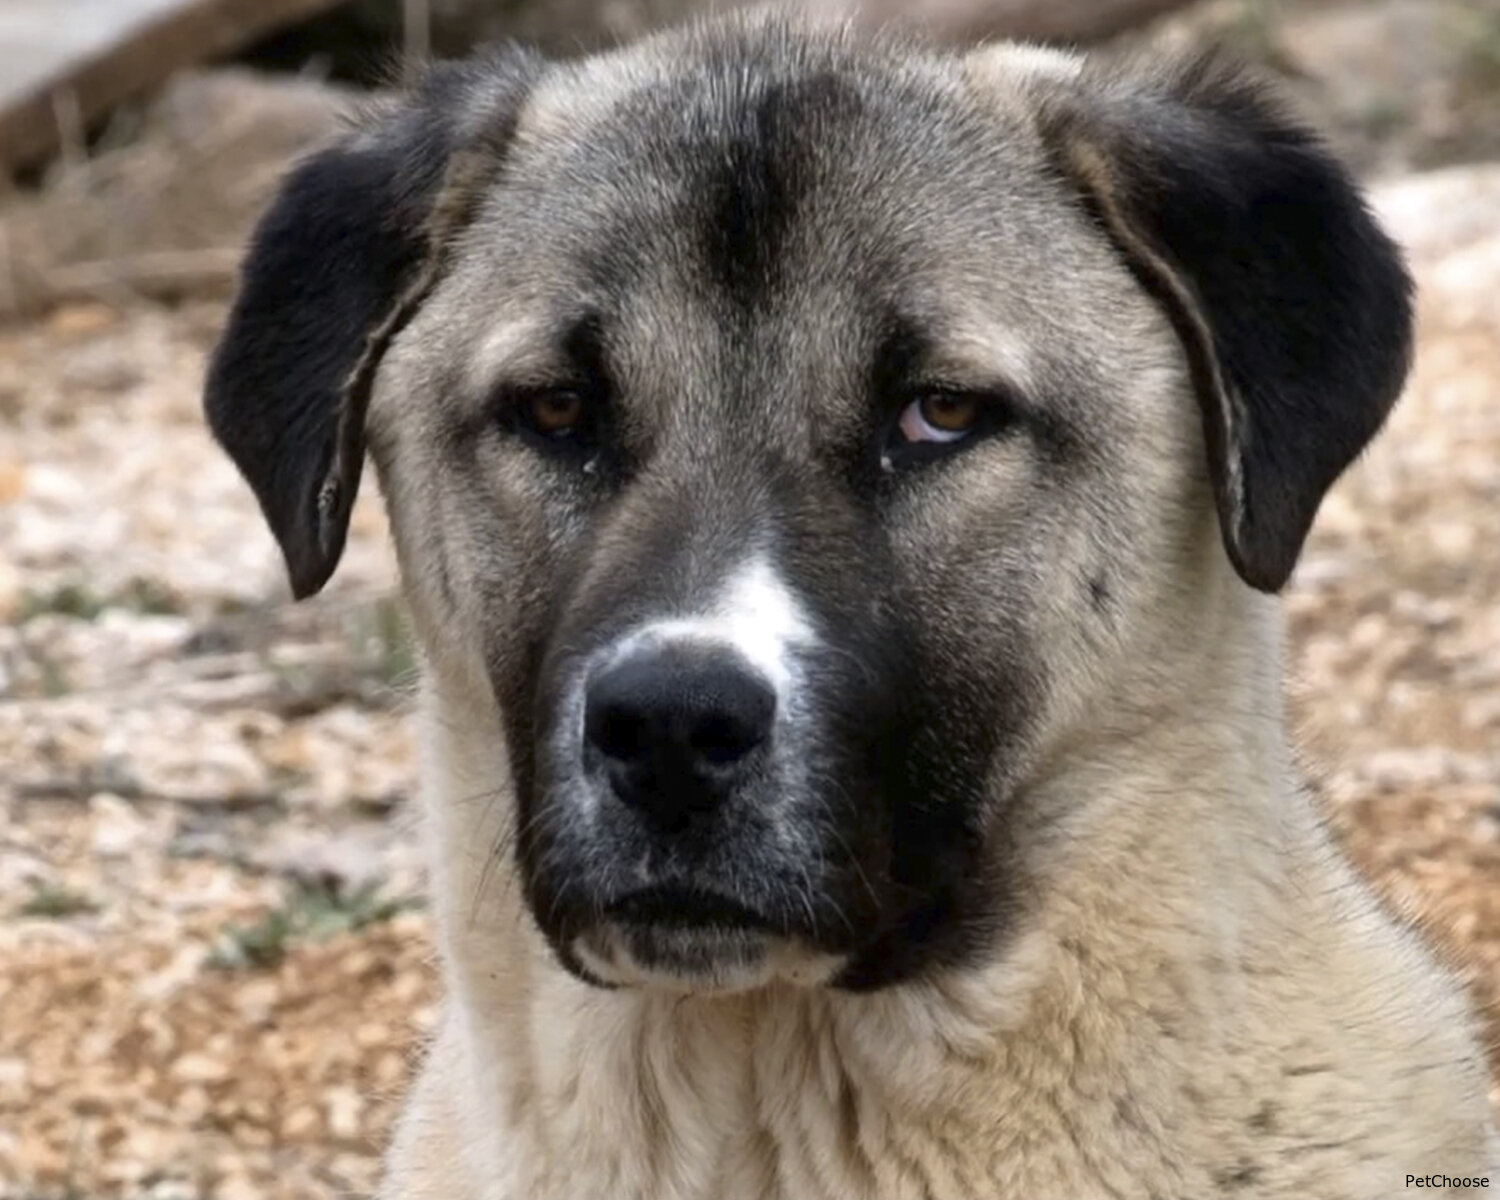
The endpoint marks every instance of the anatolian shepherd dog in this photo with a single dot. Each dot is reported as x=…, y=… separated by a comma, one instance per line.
x=839, y=487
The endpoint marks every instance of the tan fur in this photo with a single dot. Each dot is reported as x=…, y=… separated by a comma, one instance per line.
x=1200, y=998
x=1207, y=967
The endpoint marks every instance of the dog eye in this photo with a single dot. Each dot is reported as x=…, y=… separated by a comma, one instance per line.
x=555, y=412
x=940, y=417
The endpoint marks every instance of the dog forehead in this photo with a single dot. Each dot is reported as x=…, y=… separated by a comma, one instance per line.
x=707, y=67
x=754, y=209
x=739, y=152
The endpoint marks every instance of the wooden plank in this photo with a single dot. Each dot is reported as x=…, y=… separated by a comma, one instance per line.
x=67, y=62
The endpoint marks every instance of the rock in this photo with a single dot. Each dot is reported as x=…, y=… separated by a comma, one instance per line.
x=559, y=25
x=345, y=1108
x=568, y=27
x=166, y=213
x=201, y=1068
x=344, y=861
x=119, y=830
x=1438, y=213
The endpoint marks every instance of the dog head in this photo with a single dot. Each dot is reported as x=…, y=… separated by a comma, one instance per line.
x=801, y=437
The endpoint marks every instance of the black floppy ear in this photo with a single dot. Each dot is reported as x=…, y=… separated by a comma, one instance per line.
x=338, y=264
x=1292, y=304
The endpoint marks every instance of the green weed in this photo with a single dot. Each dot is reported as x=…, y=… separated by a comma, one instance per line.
x=55, y=902
x=308, y=913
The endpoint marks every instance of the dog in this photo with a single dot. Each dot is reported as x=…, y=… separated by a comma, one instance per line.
x=840, y=488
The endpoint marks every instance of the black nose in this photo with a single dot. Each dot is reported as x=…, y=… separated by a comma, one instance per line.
x=677, y=728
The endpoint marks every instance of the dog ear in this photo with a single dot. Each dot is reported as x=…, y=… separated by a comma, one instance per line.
x=340, y=262
x=1292, y=304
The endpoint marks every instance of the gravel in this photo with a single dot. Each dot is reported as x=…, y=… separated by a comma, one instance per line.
x=212, y=975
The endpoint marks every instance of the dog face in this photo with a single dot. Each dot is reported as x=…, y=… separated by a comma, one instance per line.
x=803, y=439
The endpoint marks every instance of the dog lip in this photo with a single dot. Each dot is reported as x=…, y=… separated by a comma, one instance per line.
x=686, y=907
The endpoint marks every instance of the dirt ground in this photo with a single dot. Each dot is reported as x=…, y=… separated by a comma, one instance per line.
x=214, y=966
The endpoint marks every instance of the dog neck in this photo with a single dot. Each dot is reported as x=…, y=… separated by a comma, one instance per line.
x=1128, y=969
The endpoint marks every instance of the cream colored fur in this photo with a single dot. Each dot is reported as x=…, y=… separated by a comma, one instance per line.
x=1201, y=979
x=1200, y=998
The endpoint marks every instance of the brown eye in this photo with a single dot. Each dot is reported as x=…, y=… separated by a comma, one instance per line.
x=950, y=413
x=555, y=413
x=941, y=417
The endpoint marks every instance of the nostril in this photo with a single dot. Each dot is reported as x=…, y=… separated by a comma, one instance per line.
x=619, y=732
x=724, y=738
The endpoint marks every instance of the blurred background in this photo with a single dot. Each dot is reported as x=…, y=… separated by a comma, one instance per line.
x=214, y=964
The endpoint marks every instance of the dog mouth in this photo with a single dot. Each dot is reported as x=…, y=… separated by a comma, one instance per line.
x=696, y=940
x=687, y=909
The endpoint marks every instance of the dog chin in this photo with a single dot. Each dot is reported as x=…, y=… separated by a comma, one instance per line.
x=702, y=959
